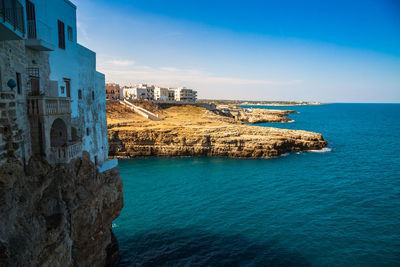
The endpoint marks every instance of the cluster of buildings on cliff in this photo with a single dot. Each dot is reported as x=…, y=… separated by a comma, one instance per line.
x=150, y=93
x=52, y=99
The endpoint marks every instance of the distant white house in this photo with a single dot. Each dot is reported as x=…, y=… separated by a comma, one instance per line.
x=139, y=92
x=161, y=94
x=184, y=94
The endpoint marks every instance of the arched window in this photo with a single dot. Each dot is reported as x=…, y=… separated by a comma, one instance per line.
x=58, y=133
x=80, y=94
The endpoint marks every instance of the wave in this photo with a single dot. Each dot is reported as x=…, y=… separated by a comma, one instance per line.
x=323, y=150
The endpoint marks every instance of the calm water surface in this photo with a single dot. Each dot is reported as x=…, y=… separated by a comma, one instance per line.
x=338, y=208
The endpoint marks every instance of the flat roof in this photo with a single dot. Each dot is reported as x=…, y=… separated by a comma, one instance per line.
x=70, y=3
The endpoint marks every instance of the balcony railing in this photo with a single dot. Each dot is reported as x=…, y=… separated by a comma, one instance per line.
x=12, y=11
x=65, y=154
x=45, y=106
x=38, y=30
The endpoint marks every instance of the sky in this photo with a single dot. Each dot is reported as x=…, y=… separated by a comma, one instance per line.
x=289, y=50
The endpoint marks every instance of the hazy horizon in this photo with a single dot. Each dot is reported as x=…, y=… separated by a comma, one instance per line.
x=333, y=51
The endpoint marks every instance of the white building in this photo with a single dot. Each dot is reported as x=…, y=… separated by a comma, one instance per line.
x=139, y=92
x=184, y=94
x=161, y=94
x=58, y=80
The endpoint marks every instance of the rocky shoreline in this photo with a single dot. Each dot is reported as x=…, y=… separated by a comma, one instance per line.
x=195, y=131
x=58, y=215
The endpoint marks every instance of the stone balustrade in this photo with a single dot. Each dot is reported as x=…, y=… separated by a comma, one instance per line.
x=65, y=154
x=44, y=105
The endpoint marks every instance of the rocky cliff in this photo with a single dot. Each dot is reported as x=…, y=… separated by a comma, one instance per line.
x=194, y=131
x=58, y=215
x=264, y=115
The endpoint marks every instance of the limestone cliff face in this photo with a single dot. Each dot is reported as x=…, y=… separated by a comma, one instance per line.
x=58, y=216
x=193, y=131
x=265, y=115
x=223, y=142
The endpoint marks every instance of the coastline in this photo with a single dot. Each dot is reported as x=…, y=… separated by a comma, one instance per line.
x=195, y=131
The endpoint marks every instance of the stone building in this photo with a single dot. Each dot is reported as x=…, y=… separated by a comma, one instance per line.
x=113, y=91
x=56, y=109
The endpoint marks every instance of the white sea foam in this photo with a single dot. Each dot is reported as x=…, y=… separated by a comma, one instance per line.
x=291, y=121
x=325, y=149
x=114, y=225
x=285, y=155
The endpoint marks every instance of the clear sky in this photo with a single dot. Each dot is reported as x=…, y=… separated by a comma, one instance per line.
x=312, y=50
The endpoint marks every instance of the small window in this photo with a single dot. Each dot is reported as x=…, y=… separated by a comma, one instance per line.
x=87, y=131
x=1, y=83
x=92, y=95
x=62, y=89
x=80, y=94
x=70, y=34
x=61, y=35
x=19, y=89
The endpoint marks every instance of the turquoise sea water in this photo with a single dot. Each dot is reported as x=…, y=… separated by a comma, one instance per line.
x=338, y=208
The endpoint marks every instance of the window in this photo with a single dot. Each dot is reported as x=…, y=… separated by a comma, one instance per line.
x=80, y=94
x=19, y=89
x=92, y=95
x=61, y=35
x=70, y=34
x=68, y=86
x=31, y=19
x=87, y=131
x=1, y=83
x=62, y=89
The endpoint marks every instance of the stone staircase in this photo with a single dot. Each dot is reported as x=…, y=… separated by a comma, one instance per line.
x=141, y=111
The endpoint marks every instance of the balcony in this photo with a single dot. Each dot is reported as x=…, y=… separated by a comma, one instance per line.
x=65, y=154
x=39, y=36
x=12, y=20
x=48, y=106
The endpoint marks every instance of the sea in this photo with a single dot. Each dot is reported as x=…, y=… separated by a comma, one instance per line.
x=336, y=207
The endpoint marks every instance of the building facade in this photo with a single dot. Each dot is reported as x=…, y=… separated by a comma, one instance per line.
x=184, y=94
x=55, y=108
x=161, y=94
x=139, y=92
x=113, y=91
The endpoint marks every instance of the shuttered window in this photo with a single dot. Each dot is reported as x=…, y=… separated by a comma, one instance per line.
x=61, y=35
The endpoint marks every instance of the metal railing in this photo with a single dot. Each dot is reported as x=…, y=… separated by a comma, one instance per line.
x=12, y=11
x=37, y=29
x=31, y=29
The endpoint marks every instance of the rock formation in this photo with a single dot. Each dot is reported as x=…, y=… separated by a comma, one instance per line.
x=58, y=215
x=264, y=115
x=194, y=131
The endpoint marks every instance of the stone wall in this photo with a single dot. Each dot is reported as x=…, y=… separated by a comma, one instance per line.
x=92, y=107
x=13, y=60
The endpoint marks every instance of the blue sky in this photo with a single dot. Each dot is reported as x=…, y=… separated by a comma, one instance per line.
x=330, y=51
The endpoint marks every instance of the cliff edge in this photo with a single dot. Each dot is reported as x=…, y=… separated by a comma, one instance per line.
x=58, y=215
x=195, y=131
